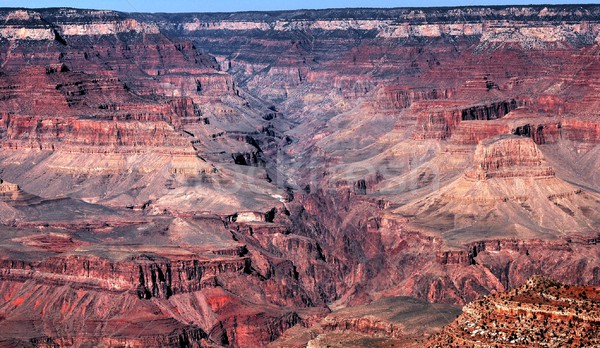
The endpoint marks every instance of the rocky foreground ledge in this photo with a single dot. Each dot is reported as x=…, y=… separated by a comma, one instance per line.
x=540, y=313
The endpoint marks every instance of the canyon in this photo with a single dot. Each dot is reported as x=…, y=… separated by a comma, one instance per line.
x=297, y=178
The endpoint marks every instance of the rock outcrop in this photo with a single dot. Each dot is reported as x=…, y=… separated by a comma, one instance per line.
x=441, y=124
x=509, y=157
x=541, y=312
x=511, y=184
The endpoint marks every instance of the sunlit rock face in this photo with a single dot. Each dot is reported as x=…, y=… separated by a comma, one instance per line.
x=536, y=313
x=214, y=180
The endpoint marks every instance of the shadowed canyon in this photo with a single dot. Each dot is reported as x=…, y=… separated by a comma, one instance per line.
x=346, y=177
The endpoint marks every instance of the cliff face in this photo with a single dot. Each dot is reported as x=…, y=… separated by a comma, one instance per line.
x=508, y=158
x=189, y=284
x=216, y=179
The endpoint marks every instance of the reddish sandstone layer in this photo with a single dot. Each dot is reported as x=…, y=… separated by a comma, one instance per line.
x=441, y=124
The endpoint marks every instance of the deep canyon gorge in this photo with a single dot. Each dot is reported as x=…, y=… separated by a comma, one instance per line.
x=299, y=178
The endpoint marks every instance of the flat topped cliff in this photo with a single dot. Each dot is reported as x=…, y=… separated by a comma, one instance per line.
x=217, y=179
x=425, y=22
x=475, y=13
x=509, y=156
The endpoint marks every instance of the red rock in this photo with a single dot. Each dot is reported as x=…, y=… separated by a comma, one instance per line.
x=540, y=312
x=441, y=124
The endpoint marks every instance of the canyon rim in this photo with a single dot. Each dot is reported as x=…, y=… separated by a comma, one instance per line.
x=340, y=177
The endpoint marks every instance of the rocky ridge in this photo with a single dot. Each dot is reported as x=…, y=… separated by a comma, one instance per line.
x=541, y=312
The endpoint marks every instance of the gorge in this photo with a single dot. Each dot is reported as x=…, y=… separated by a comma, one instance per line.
x=293, y=178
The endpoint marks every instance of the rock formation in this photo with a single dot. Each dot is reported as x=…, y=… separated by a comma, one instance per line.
x=541, y=312
x=510, y=186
